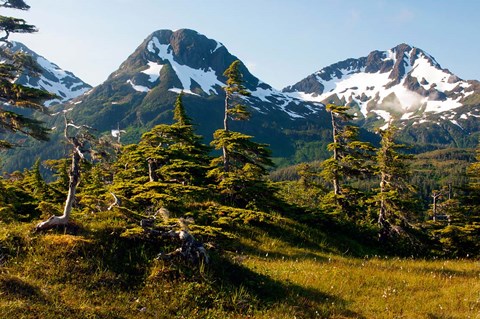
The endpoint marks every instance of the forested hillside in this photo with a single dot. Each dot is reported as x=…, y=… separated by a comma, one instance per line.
x=169, y=226
x=162, y=228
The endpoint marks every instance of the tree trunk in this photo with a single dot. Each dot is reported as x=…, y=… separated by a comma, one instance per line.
x=226, y=160
x=152, y=166
x=335, y=182
x=435, y=195
x=382, y=214
x=74, y=175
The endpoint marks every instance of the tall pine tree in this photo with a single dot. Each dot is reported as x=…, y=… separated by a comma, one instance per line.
x=395, y=197
x=233, y=90
x=350, y=158
x=240, y=172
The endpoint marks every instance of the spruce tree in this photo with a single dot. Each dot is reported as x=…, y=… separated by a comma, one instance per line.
x=472, y=200
x=168, y=165
x=240, y=172
x=233, y=90
x=395, y=197
x=474, y=171
x=350, y=158
x=16, y=98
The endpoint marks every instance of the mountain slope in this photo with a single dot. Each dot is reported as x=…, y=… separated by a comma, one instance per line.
x=187, y=61
x=142, y=92
x=433, y=107
x=52, y=78
x=404, y=84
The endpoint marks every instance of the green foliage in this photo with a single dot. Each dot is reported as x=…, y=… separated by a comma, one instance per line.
x=233, y=90
x=395, y=197
x=460, y=241
x=16, y=203
x=14, y=96
x=167, y=167
x=244, y=182
x=235, y=80
x=351, y=158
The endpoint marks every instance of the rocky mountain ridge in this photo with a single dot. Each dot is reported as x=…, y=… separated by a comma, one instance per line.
x=433, y=107
x=52, y=78
x=404, y=84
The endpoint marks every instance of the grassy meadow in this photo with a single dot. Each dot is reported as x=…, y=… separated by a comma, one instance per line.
x=104, y=267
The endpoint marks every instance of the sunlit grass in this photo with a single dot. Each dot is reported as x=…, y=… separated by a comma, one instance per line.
x=376, y=287
x=282, y=270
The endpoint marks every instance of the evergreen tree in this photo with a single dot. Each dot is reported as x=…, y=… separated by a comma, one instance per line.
x=233, y=109
x=179, y=114
x=169, y=163
x=474, y=172
x=395, y=196
x=16, y=98
x=240, y=172
x=472, y=199
x=34, y=183
x=350, y=157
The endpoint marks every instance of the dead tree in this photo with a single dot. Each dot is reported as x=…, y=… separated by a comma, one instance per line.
x=77, y=143
x=435, y=196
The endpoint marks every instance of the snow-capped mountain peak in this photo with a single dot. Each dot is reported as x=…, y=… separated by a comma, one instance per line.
x=189, y=61
x=402, y=83
x=52, y=78
x=184, y=60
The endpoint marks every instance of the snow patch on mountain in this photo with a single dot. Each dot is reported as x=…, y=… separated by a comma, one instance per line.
x=138, y=88
x=206, y=79
x=219, y=45
x=153, y=71
x=52, y=78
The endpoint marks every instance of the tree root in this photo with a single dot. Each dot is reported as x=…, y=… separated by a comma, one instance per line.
x=52, y=222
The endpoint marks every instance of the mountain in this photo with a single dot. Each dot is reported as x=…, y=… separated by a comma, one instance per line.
x=433, y=107
x=52, y=78
x=141, y=93
x=405, y=85
x=168, y=62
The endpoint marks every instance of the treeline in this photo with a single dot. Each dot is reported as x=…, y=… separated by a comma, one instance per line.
x=171, y=170
x=375, y=189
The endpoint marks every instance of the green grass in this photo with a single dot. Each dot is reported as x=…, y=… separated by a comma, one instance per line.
x=276, y=269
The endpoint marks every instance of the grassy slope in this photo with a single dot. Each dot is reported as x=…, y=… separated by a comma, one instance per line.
x=282, y=269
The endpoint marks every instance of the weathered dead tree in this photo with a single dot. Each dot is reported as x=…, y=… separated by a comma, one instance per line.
x=77, y=144
x=117, y=201
x=435, y=196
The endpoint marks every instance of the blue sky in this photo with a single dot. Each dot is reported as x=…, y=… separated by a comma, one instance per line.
x=281, y=41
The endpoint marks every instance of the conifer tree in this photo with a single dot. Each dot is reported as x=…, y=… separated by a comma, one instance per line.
x=350, y=156
x=233, y=109
x=241, y=170
x=34, y=183
x=169, y=162
x=179, y=113
x=395, y=196
x=473, y=197
x=13, y=96
x=474, y=171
